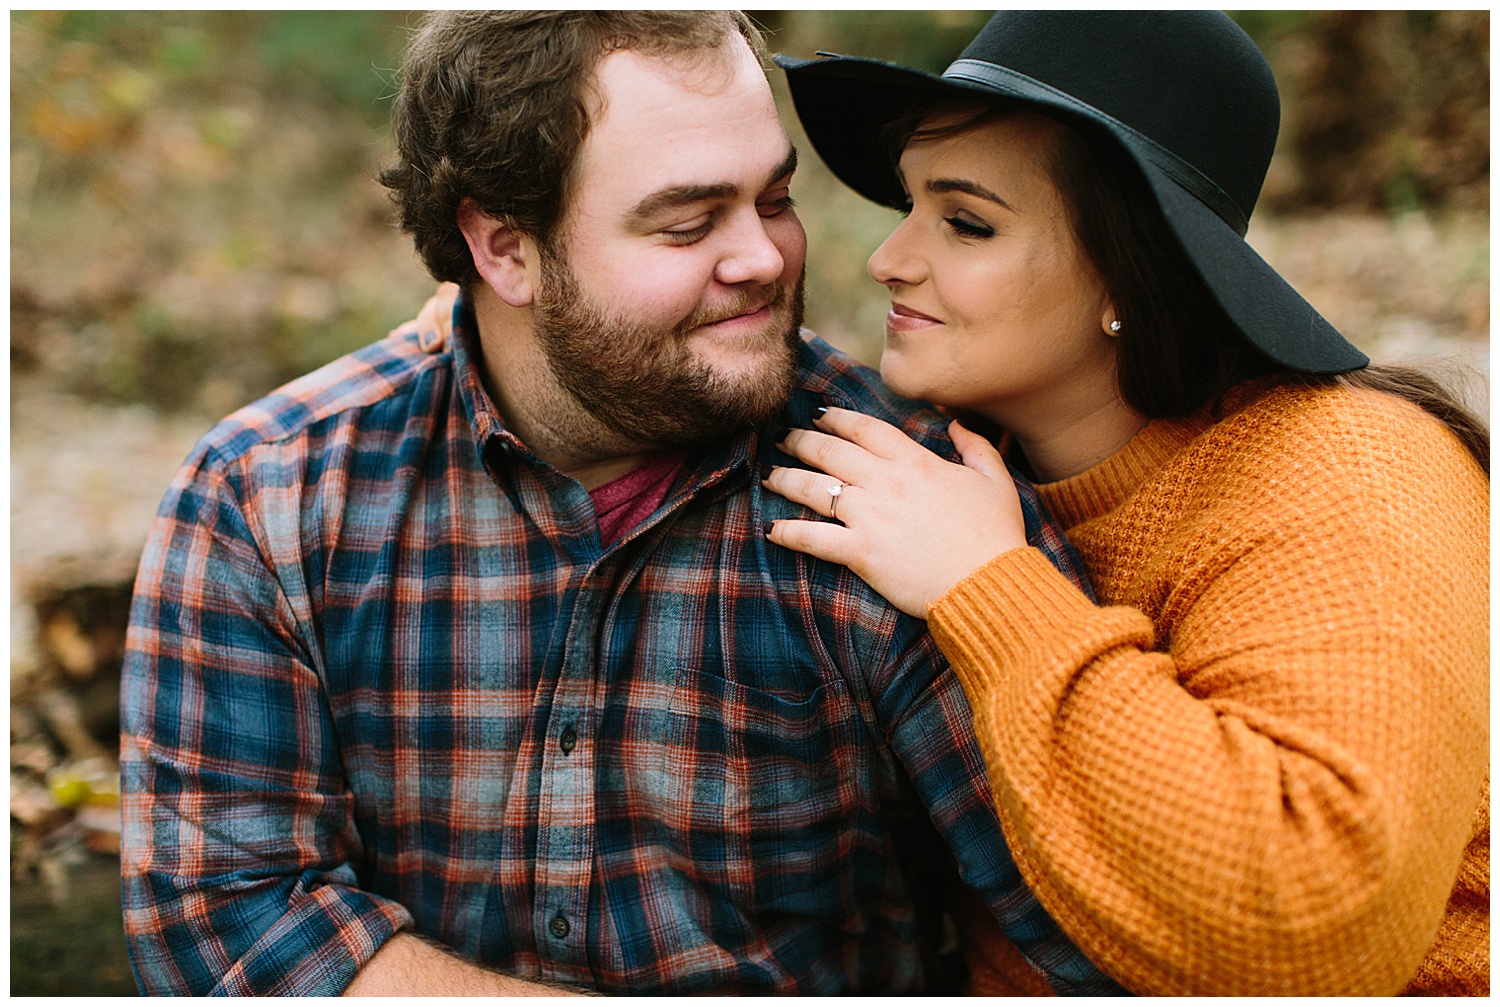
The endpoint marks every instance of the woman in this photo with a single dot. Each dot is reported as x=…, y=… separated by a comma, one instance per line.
x=1258, y=765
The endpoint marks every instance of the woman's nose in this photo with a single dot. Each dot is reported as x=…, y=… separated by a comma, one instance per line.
x=893, y=262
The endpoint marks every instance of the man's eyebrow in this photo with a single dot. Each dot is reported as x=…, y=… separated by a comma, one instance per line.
x=683, y=195
x=787, y=166
x=938, y=186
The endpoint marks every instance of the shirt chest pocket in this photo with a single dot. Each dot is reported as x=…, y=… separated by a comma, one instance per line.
x=764, y=790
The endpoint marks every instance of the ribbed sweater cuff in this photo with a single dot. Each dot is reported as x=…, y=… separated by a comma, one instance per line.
x=1003, y=615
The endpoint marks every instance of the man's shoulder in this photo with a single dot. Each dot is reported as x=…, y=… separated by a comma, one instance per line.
x=381, y=375
x=842, y=380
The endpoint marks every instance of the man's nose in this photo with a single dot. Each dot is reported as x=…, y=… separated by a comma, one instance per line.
x=753, y=257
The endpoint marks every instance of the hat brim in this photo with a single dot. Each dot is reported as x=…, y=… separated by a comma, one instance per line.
x=846, y=104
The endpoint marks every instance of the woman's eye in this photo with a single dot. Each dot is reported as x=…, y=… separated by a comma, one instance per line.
x=968, y=228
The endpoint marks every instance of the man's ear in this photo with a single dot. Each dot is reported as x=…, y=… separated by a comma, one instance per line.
x=506, y=258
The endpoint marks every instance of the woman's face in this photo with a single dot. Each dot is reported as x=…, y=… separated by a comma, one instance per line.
x=994, y=306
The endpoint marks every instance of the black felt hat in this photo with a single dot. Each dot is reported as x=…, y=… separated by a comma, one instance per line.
x=1185, y=92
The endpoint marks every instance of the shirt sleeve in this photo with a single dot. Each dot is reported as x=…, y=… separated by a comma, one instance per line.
x=238, y=848
x=931, y=730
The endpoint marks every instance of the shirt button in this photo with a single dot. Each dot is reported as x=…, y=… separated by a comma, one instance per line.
x=559, y=927
x=567, y=742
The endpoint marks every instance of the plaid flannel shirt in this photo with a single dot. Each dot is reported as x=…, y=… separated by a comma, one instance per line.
x=381, y=674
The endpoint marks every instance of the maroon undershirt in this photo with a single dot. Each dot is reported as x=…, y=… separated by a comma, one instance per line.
x=623, y=503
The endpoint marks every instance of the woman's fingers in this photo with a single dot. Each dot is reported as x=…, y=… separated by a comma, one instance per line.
x=434, y=323
x=854, y=447
x=876, y=436
x=818, y=491
x=842, y=459
x=911, y=527
x=977, y=453
x=822, y=539
x=436, y=317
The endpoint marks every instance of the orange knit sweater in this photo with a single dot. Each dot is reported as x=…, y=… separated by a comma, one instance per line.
x=1260, y=765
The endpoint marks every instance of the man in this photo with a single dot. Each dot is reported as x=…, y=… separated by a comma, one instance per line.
x=487, y=646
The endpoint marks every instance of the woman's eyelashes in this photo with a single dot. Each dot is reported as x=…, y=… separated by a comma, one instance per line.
x=962, y=226
x=966, y=228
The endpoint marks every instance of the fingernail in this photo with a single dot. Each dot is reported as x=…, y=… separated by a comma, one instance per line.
x=820, y=412
x=780, y=434
x=767, y=529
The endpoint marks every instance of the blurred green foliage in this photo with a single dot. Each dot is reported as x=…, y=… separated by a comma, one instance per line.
x=1268, y=27
x=194, y=213
x=927, y=40
x=348, y=56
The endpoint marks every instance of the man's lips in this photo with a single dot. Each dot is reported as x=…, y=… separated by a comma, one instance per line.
x=754, y=316
x=904, y=319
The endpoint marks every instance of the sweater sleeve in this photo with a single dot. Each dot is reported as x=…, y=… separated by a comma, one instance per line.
x=1266, y=785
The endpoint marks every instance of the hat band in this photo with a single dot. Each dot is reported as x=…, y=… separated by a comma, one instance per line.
x=1203, y=188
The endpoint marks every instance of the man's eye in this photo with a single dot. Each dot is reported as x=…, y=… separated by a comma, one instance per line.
x=771, y=208
x=686, y=235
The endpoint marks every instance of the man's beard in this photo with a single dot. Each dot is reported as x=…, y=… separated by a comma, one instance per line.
x=642, y=383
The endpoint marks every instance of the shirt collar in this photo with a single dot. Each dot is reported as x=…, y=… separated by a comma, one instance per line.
x=468, y=368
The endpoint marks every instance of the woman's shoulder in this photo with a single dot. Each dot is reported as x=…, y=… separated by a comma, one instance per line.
x=1276, y=451
x=1341, y=430
x=1334, y=456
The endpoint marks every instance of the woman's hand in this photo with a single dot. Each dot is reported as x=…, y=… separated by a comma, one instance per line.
x=434, y=323
x=912, y=524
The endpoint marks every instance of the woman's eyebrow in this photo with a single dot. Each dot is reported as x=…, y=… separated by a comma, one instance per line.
x=683, y=195
x=938, y=186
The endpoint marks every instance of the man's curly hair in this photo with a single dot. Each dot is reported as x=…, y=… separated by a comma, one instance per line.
x=494, y=106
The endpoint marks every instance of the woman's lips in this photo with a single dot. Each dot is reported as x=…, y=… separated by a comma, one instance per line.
x=904, y=319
